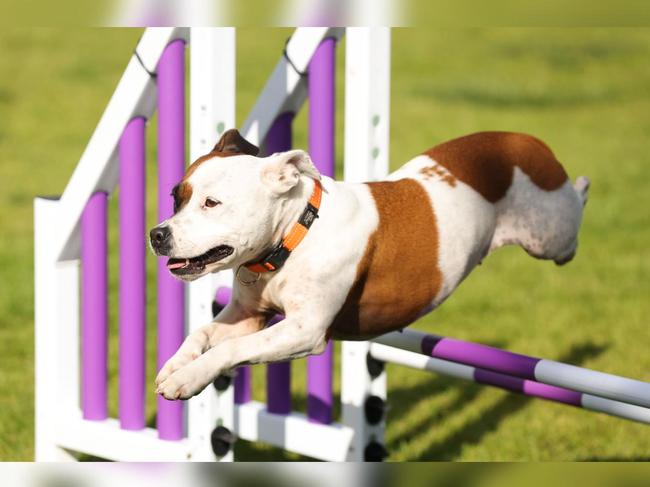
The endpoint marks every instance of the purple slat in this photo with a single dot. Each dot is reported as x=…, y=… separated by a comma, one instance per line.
x=278, y=376
x=527, y=387
x=280, y=136
x=171, y=166
x=278, y=388
x=132, y=315
x=242, y=385
x=223, y=296
x=480, y=356
x=321, y=149
x=319, y=386
x=94, y=308
x=321, y=106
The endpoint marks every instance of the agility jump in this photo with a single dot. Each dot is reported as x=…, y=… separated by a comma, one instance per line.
x=69, y=420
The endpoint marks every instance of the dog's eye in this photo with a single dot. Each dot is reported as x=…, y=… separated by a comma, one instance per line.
x=211, y=202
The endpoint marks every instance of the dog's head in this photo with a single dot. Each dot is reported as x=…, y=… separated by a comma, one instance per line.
x=228, y=207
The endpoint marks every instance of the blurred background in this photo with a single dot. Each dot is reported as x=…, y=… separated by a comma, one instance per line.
x=326, y=475
x=282, y=13
x=584, y=91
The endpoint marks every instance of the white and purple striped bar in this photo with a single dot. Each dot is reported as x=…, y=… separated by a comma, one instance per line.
x=522, y=366
x=417, y=360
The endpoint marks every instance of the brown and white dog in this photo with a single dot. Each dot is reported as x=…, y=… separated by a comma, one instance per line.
x=377, y=256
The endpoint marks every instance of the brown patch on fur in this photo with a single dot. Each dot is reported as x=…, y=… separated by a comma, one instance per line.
x=486, y=160
x=398, y=276
x=435, y=170
x=181, y=193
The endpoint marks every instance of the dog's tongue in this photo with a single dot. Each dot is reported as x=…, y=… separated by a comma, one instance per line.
x=177, y=264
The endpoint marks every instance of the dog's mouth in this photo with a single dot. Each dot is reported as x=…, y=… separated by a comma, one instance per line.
x=194, y=265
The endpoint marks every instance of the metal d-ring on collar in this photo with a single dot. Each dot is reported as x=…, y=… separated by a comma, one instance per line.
x=247, y=283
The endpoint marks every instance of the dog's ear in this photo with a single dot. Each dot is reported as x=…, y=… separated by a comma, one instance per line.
x=232, y=141
x=282, y=171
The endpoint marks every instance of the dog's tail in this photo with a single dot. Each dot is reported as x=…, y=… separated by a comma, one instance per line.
x=582, y=188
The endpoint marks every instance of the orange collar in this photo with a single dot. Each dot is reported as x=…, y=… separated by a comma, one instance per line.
x=277, y=256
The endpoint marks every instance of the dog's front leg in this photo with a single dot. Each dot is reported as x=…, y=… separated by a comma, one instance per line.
x=233, y=321
x=288, y=339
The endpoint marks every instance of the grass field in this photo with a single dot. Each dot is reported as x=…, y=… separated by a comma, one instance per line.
x=586, y=92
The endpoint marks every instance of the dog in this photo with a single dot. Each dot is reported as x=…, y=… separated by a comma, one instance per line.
x=350, y=261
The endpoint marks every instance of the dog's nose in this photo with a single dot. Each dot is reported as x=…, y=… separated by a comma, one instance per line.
x=160, y=239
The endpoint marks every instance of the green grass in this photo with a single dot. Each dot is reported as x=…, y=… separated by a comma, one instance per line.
x=586, y=92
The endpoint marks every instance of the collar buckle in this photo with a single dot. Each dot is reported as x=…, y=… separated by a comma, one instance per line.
x=276, y=257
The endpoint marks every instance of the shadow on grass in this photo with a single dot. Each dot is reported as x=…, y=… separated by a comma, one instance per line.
x=402, y=400
x=401, y=403
x=489, y=420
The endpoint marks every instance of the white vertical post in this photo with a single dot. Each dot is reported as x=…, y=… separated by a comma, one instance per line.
x=212, y=111
x=367, y=103
x=56, y=333
x=367, y=120
x=356, y=387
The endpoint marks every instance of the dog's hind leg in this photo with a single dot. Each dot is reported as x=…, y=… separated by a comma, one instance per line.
x=544, y=223
x=581, y=188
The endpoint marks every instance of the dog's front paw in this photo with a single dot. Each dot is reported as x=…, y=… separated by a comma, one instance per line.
x=184, y=383
x=179, y=360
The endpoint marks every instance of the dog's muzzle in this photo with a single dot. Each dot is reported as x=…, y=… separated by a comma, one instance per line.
x=161, y=240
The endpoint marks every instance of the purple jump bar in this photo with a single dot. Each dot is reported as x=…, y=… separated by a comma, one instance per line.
x=321, y=148
x=94, y=308
x=527, y=387
x=506, y=370
x=171, y=166
x=132, y=315
x=480, y=356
